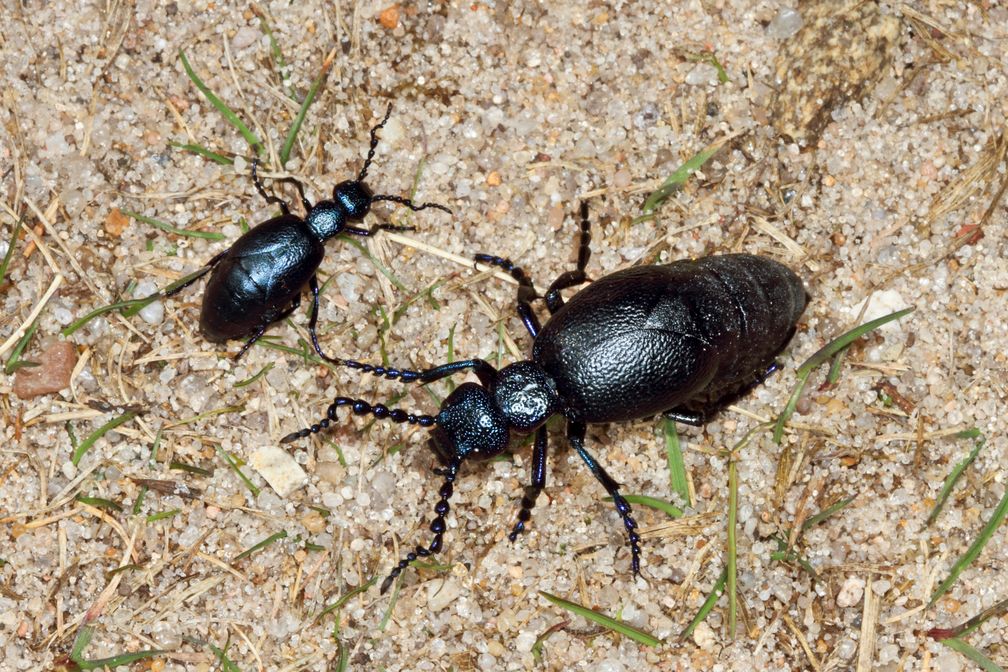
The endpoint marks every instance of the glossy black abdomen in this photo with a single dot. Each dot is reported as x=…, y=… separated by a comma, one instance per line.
x=647, y=339
x=259, y=278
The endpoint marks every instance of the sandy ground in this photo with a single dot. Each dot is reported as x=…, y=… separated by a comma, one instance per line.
x=509, y=113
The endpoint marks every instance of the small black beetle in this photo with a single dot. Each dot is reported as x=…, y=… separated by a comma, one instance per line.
x=681, y=339
x=258, y=280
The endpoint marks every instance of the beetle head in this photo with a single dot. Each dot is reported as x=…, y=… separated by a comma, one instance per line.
x=526, y=395
x=354, y=197
x=325, y=220
x=469, y=424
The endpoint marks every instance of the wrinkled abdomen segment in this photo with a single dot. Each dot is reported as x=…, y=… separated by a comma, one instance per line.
x=258, y=279
x=650, y=338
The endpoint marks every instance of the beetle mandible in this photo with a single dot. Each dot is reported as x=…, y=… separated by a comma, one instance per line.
x=680, y=339
x=259, y=279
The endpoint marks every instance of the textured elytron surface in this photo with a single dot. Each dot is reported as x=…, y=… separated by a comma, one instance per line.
x=648, y=338
x=266, y=268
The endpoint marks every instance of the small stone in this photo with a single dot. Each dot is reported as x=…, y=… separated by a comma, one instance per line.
x=851, y=592
x=389, y=17
x=115, y=222
x=493, y=179
x=442, y=592
x=704, y=637
x=702, y=73
x=330, y=472
x=55, y=365
x=245, y=37
x=881, y=303
x=787, y=22
x=279, y=468
x=314, y=522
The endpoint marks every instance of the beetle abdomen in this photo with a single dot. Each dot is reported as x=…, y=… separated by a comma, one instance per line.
x=650, y=338
x=259, y=278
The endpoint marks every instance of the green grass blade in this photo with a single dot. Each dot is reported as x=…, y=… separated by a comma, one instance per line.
x=10, y=248
x=158, y=224
x=136, y=305
x=974, y=550
x=346, y=238
x=14, y=361
x=276, y=536
x=232, y=118
x=248, y=381
x=678, y=481
x=100, y=503
x=86, y=444
x=163, y=515
x=731, y=568
x=825, y=513
x=789, y=408
x=308, y=356
x=823, y=355
x=952, y=479
x=972, y=624
x=138, y=502
x=224, y=410
x=97, y=312
x=226, y=665
x=279, y=62
x=846, y=339
x=707, y=606
x=189, y=469
x=346, y=597
x=288, y=145
x=653, y=503
x=972, y=654
x=200, y=150
x=81, y=642
x=603, y=620
x=387, y=616
x=678, y=178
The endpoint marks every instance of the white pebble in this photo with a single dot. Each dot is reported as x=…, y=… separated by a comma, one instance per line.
x=787, y=22
x=279, y=468
x=442, y=592
x=704, y=637
x=153, y=314
x=850, y=593
x=69, y=470
x=882, y=303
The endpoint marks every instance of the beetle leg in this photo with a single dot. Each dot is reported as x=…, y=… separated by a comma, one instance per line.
x=526, y=290
x=272, y=199
x=300, y=189
x=295, y=304
x=195, y=276
x=313, y=320
x=483, y=370
x=576, y=277
x=538, y=483
x=249, y=343
x=576, y=434
x=437, y=525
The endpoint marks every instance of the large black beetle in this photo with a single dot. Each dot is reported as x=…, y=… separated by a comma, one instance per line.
x=681, y=339
x=259, y=279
